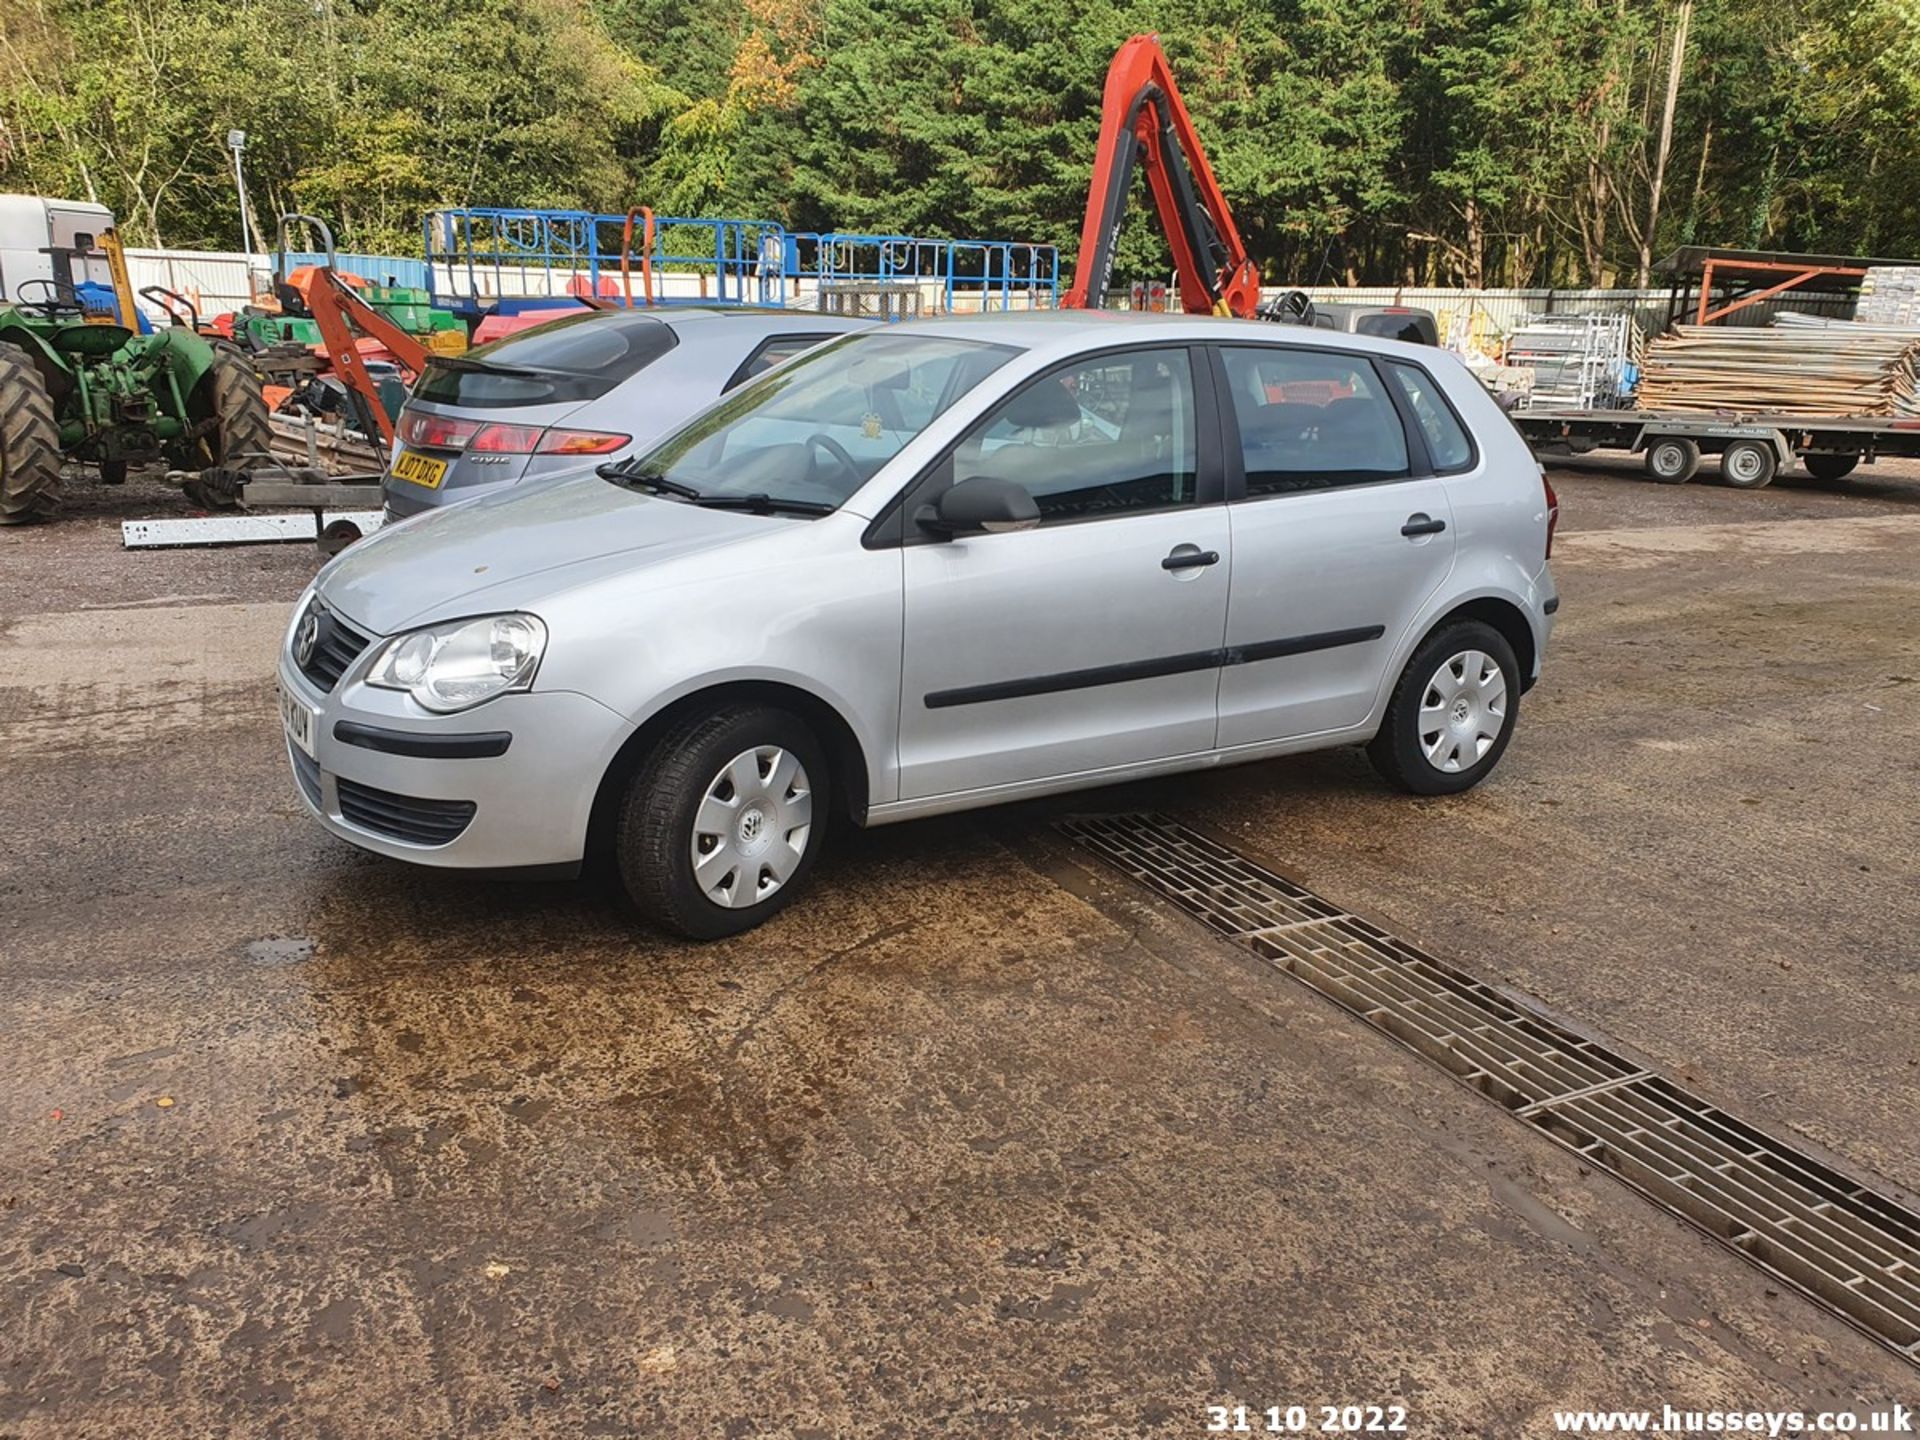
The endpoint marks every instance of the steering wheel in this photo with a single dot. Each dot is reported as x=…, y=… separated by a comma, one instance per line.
x=62, y=302
x=1293, y=308
x=822, y=441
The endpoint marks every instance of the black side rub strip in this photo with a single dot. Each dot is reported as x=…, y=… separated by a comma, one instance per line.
x=481, y=745
x=1075, y=679
x=1151, y=669
x=1302, y=644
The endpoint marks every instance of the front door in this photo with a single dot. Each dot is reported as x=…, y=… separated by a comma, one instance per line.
x=1093, y=640
x=1342, y=534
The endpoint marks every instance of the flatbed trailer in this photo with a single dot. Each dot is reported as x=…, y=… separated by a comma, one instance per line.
x=1753, y=448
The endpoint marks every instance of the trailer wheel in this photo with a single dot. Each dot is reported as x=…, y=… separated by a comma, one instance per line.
x=29, y=442
x=1830, y=466
x=1672, y=459
x=1748, y=464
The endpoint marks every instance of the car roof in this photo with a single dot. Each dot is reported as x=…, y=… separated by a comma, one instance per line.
x=1066, y=332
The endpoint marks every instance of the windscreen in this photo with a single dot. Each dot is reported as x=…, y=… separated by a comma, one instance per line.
x=818, y=428
x=578, y=357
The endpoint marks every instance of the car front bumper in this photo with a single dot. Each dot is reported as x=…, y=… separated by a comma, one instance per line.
x=508, y=785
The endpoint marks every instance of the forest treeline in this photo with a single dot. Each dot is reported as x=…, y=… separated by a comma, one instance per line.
x=1497, y=142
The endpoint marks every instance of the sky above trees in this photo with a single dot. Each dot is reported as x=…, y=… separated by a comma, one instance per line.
x=1496, y=142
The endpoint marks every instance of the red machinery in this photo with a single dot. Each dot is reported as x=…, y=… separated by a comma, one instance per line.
x=1143, y=120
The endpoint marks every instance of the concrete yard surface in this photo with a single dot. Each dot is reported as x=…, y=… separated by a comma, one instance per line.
x=977, y=1139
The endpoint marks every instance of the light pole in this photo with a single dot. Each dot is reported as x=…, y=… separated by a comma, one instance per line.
x=237, y=143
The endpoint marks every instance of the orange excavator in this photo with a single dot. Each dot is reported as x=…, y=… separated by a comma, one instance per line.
x=1143, y=123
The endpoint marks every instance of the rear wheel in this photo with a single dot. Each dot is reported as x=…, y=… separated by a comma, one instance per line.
x=1672, y=460
x=723, y=820
x=1452, y=711
x=1829, y=466
x=1748, y=464
x=230, y=394
x=29, y=442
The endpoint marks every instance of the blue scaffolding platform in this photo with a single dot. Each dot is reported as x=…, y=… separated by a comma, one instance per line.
x=482, y=261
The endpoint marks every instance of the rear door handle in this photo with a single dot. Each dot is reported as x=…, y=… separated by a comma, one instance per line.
x=1420, y=524
x=1186, y=557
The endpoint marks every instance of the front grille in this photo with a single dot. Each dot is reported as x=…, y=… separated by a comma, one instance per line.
x=336, y=646
x=402, y=817
x=306, y=772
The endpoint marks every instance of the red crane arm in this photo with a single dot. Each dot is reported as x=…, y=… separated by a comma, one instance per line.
x=1143, y=121
x=339, y=313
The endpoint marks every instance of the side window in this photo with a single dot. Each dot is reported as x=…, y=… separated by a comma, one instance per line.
x=1447, y=440
x=775, y=350
x=1312, y=420
x=1111, y=435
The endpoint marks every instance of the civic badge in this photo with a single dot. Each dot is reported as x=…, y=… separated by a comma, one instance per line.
x=306, y=637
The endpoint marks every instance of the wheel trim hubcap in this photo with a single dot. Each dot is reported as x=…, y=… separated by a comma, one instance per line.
x=750, y=830
x=1462, y=711
x=1745, y=464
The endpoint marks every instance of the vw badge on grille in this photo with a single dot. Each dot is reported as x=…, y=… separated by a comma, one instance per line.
x=306, y=637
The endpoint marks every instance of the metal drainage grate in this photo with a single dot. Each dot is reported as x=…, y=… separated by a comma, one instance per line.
x=1849, y=1247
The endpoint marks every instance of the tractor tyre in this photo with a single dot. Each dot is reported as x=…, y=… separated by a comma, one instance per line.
x=29, y=442
x=242, y=439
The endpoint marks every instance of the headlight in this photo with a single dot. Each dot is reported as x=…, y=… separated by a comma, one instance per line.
x=459, y=664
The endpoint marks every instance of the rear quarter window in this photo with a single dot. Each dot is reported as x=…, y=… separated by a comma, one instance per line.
x=1448, y=444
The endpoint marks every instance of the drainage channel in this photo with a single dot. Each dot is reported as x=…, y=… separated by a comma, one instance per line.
x=1850, y=1248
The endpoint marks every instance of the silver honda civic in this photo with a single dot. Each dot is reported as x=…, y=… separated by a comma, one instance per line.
x=925, y=568
x=591, y=387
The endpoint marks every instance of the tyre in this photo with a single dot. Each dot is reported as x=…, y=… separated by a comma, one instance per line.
x=29, y=442
x=230, y=394
x=1672, y=459
x=1748, y=464
x=1451, y=713
x=723, y=820
x=1829, y=466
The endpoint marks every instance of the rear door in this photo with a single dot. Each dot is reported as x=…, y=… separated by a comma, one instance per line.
x=1341, y=532
x=1093, y=640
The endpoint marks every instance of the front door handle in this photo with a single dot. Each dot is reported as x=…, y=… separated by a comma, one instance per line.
x=1189, y=557
x=1419, y=523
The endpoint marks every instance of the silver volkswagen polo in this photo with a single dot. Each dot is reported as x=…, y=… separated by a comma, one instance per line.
x=925, y=568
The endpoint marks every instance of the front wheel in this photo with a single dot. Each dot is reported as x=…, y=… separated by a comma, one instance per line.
x=723, y=820
x=1451, y=713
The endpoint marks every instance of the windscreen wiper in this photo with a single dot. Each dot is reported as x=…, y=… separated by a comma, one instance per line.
x=765, y=504
x=629, y=474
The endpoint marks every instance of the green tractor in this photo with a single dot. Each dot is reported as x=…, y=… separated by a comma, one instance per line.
x=77, y=385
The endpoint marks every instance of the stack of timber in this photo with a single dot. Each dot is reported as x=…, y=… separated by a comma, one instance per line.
x=1838, y=369
x=301, y=440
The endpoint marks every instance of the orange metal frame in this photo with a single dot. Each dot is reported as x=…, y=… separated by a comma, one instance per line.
x=645, y=215
x=1797, y=275
x=339, y=313
x=1143, y=116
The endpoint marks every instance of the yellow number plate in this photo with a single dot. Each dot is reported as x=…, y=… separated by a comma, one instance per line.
x=419, y=469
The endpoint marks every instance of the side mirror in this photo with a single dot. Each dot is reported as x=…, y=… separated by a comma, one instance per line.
x=981, y=504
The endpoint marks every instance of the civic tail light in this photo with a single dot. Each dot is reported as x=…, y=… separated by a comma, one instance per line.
x=480, y=437
x=580, y=442
x=1553, y=511
x=498, y=439
x=435, y=432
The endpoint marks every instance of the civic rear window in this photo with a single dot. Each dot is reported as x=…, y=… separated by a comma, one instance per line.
x=1410, y=328
x=580, y=357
